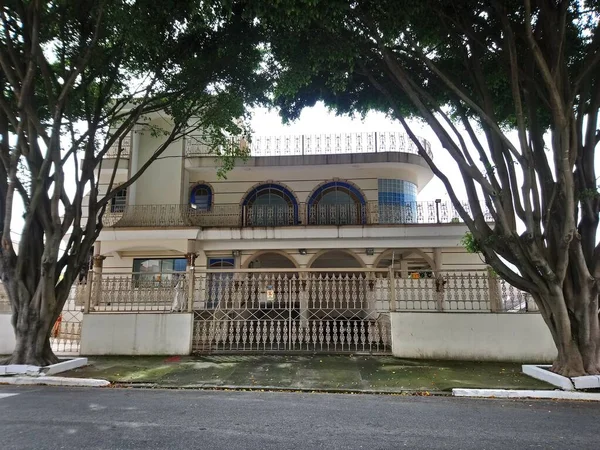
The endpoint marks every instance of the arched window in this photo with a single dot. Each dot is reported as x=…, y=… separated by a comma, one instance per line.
x=201, y=197
x=270, y=205
x=336, y=203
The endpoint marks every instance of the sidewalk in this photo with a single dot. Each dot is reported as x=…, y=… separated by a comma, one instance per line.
x=307, y=372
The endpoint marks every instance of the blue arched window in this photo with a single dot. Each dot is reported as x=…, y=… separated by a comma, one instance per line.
x=201, y=197
x=270, y=205
x=336, y=203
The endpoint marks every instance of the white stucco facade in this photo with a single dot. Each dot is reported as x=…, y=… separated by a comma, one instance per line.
x=471, y=336
x=154, y=223
x=136, y=334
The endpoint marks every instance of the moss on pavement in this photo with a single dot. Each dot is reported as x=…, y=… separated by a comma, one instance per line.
x=371, y=373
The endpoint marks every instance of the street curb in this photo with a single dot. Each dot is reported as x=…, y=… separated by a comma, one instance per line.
x=54, y=381
x=218, y=387
x=514, y=393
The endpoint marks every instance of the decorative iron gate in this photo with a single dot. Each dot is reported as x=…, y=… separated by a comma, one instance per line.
x=66, y=333
x=334, y=311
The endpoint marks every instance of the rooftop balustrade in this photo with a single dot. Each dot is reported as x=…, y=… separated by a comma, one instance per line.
x=316, y=144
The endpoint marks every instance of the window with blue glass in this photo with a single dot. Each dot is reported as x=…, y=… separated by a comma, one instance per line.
x=336, y=203
x=201, y=197
x=155, y=270
x=397, y=201
x=270, y=205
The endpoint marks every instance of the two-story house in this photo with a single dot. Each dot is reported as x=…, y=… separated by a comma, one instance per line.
x=293, y=250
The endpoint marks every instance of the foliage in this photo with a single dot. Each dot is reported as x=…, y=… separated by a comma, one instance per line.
x=475, y=71
x=77, y=77
x=470, y=243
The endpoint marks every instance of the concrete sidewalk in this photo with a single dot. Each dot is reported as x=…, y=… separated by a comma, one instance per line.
x=307, y=372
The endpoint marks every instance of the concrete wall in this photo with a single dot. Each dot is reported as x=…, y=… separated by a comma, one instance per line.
x=136, y=334
x=7, y=336
x=472, y=336
x=161, y=182
x=300, y=180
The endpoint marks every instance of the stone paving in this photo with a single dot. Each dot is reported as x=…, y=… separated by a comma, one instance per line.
x=307, y=372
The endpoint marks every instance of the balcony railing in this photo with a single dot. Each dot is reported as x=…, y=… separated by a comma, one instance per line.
x=113, y=151
x=326, y=292
x=236, y=216
x=318, y=144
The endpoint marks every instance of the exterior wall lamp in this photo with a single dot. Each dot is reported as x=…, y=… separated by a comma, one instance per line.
x=370, y=251
x=302, y=251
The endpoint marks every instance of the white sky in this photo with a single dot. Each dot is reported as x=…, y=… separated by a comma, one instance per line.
x=318, y=120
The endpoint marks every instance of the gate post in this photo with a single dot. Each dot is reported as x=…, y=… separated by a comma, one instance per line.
x=493, y=290
x=191, y=274
x=392, y=290
x=88, y=292
x=303, y=281
x=97, y=275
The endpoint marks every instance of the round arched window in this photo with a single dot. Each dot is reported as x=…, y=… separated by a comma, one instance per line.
x=201, y=197
x=336, y=203
x=270, y=205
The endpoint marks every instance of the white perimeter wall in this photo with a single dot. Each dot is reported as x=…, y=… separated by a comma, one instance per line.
x=136, y=334
x=7, y=336
x=472, y=336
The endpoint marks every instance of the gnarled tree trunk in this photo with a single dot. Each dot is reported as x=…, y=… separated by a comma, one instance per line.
x=33, y=317
x=573, y=319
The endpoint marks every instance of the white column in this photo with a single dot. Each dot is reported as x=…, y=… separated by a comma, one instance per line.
x=305, y=286
x=133, y=162
x=437, y=258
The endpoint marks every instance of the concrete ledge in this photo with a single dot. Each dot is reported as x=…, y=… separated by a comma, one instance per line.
x=541, y=372
x=587, y=382
x=19, y=369
x=471, y=336
x=137, y=334
x=52, y=369
x=54, y=381
x=63, y=366
x=513, y=393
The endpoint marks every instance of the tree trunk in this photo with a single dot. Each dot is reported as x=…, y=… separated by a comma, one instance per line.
x=575, y=328
x=32, y=326
x=33, y=347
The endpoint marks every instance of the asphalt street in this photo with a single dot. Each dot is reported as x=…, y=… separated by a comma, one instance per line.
x=69, y=418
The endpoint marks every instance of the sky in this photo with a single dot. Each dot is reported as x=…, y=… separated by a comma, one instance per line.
x=318, y=119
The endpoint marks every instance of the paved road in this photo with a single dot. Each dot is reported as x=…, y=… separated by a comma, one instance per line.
x=55, y=418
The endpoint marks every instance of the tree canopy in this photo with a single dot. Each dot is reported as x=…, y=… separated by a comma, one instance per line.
x=77, y=76
x=476, y=71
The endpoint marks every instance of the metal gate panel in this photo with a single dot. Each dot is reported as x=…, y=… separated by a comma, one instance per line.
x=290, y=311
x=66, y=332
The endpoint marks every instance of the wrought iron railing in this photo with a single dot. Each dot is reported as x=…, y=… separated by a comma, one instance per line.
x=236, y=216
x=317, y=144
x=343, y=290
x=125, y=147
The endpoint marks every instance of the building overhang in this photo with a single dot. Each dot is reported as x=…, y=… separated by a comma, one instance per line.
x=323, y=237
x=404, y=162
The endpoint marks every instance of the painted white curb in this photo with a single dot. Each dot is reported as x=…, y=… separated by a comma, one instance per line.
x=541, y=372
x=587, y=382
x=53, y=369
x=63, y=366
x=54, y=381
x=514, y=393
